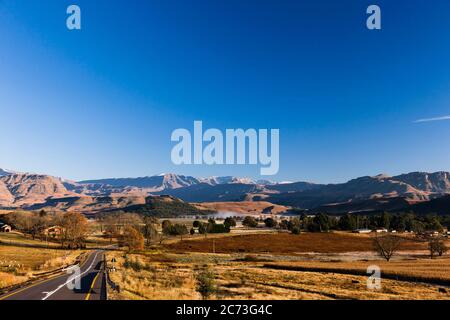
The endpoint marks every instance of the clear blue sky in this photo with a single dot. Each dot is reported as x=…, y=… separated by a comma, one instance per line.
x=103, y=101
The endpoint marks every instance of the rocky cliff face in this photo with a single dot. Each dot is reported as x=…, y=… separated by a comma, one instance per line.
x=438, y=182
x=23, y=189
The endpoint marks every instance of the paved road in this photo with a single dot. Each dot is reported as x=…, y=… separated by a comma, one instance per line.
x=91, y=280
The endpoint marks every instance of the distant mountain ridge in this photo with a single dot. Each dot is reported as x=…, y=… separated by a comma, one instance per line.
x=154, y=183
x=365, y=193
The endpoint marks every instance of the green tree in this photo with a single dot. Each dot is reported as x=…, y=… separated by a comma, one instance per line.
x=322, y=221
x=250, y=222
x=347, y=222
x=270, y=223
x=294, y=222
x=203, y=229
x=179, y=230
x=166, y=226
x=230, y=222
x=385, y=220
x=150, y=229
x=196, y=224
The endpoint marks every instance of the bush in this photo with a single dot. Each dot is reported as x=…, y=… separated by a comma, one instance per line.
x=136, y=265
x=205, y=284
x=284, y=224
x=176, y=230
x=296, y=230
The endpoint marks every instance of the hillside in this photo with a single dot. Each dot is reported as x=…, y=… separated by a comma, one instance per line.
x=438, y=206
x=243, y=207
x=204, y=192
x=365, y=206
x=166, y=206
x=88, y=204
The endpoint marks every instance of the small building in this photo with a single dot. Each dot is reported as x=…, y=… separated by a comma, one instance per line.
x=362, y=231
x=4, y=227
x=53, y=232
x=431, y=233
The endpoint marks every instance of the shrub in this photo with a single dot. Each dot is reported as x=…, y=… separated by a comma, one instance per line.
x=218, y=228
x=205, y=283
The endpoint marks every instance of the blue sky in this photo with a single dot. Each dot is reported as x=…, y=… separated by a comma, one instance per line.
x=103, y=101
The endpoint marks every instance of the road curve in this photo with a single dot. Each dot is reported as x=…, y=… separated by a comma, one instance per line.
x=92, y=285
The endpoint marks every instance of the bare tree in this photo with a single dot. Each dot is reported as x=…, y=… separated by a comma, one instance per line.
x=111, y=228
x=150, y=229
x=436, y=246
x=386, y=245
x=74, y=227
x=129, y=219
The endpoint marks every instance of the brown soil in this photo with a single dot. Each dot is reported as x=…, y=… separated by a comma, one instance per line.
x=282, y=243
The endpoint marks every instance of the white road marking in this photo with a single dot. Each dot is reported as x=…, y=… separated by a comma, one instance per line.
x=49, y=294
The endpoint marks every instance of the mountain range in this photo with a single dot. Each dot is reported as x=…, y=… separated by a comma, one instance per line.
x=381, y=192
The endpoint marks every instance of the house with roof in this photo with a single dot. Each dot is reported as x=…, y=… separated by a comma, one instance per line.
x=5, y=227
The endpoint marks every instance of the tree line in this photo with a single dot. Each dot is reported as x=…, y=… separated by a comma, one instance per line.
x=323, y=223
x=71, y=228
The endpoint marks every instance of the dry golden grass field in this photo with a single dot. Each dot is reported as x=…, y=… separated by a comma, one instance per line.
x=279, y=266
x=419, y=269
x=173, y=276
x=22, y=259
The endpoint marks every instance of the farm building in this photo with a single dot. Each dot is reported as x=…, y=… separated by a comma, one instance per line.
x=362, y=231
x=4, y=227
x=53, y=231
